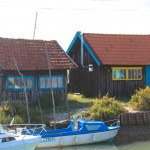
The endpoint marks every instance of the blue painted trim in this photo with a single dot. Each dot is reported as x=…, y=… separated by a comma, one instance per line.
x=147, y=75
x=56, y=88
x=86, y=46
x=21, y=88
x=91, y=53
x=77, y=35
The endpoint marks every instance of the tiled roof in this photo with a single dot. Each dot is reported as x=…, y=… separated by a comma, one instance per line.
x=115, y=49
x=31, y=55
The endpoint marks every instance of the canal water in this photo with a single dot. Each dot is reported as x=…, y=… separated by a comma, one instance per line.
x=144, y=145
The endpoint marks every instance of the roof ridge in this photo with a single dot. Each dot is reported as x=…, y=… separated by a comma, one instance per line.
x=23, y=39
x=117, y=34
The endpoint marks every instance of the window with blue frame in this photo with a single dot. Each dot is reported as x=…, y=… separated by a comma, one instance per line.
x=19, y=83
x=53, y=82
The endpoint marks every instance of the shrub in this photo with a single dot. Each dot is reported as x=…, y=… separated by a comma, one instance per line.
x=47, y=102
x=105, y=109
x=35, y=116
x=18, y=120
x=4, y=119
x=141, y=99
x=18, y=107
x=10, y=110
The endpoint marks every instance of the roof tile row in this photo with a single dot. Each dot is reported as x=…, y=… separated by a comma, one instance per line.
x=31, y=55
x=115, y=49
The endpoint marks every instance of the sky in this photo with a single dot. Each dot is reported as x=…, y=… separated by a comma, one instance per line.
x=61, y=19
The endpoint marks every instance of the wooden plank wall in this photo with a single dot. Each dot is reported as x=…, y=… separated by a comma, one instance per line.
x=99, y=83
x=118, y=88
x=32, y=95
x=135, y=119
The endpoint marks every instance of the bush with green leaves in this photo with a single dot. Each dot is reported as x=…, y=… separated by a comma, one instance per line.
x=18, y=119
x=105, y=109
x=4, y=119
x=12, y=109
x=18, y=107
x=46, y=101
x=141, y=99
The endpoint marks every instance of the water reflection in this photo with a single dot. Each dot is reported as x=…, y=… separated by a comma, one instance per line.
x=108, y=146
x=142, y=145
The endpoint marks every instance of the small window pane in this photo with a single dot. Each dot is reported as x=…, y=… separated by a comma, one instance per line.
x=48, y=82
x=11, y=82
x=60, y=82
x=139, y=73
x=122, y=74
x=23, y=83
x=114, y=74
x=136, y=74
x=54, y=82
x=29, y=83
x=118, y=74
x=17, y=85
x=42, y=82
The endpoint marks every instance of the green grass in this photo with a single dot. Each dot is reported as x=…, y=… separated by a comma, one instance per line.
x=78, y=101
x=75, y=102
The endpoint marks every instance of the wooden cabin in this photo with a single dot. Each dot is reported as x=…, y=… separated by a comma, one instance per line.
x=110, y=64
x=34, y=66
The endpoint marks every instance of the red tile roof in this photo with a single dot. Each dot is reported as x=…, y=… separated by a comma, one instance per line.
x=31, y=55
x=114, y=49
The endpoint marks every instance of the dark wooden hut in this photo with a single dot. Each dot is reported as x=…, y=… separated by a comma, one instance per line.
x=30, y=58
x=110, y=64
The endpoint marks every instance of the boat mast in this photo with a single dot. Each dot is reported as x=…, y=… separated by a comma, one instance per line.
x=25, y=89
x=35, y=25
x=50, y=75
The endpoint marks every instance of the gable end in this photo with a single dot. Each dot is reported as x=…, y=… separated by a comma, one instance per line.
x=78, y=35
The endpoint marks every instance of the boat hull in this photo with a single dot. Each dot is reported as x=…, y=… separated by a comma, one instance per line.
x=23, y=142
x=77, y=139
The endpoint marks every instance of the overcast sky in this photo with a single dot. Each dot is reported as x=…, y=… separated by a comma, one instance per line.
x=61, y=19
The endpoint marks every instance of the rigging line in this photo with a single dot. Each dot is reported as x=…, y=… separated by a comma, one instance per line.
x=11, y=107
x=81, y=9
x=37, y=93
x=40, y=108
x=76, y=9
x=50, y=75
x=67, y=104
x=35, y=25
x=25, y=89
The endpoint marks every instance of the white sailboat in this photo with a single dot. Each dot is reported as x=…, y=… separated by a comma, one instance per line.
x=10, y=141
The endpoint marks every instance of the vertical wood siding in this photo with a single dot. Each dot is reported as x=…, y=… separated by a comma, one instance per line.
x=32, y=95
x=99, y=82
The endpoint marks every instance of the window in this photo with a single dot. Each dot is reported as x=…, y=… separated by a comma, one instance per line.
x=18, y=83
x=54, y=82
x=127, y=73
